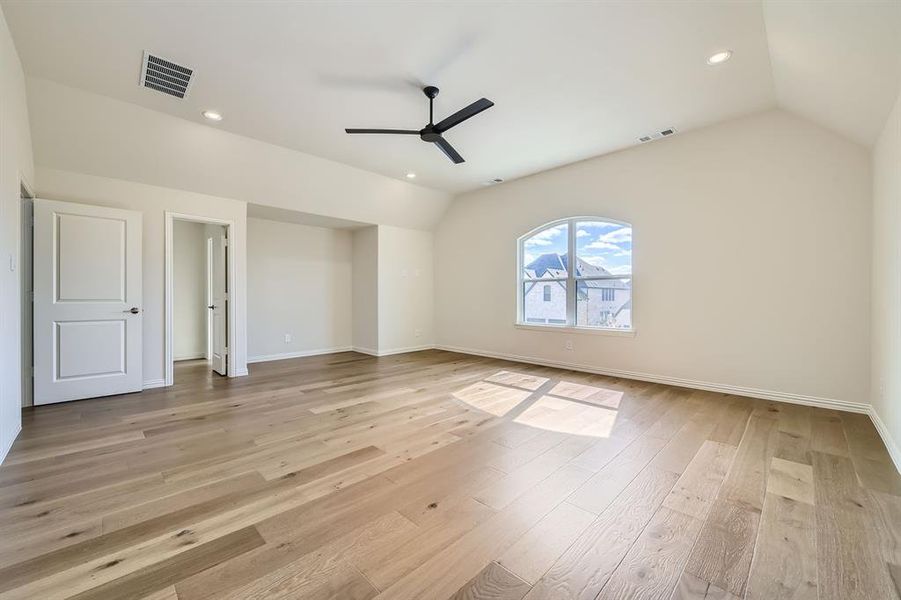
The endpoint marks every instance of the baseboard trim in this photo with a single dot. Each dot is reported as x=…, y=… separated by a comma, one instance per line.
x=154, y=383
x=300, y=354
x=372, y=352
x=890, y=445
x=194, y=356
x=788, y=397
x=364, y=350
x=7, y=447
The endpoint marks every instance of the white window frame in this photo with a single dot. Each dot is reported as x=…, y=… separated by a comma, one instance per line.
x=571, y=281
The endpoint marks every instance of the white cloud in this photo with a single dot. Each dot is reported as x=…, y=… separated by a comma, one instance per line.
x=617, y=236
x=582, y=233
x=600, y=224
x=544, y=238
x=598, y=244
x=623, y=253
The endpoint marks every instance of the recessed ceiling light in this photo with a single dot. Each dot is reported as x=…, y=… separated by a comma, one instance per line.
x=411, y=175
x=719, y=58
x=212, y=115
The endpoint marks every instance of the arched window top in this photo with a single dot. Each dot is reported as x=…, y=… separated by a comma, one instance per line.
x=594, y=290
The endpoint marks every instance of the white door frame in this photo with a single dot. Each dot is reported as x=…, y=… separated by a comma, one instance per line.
x=26, y=280
x=171, y=217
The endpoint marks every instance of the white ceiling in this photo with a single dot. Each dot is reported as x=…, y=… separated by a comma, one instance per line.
x=837, y=63
x=569, y=80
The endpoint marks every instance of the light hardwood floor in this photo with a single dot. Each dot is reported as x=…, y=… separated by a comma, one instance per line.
x=438, y=475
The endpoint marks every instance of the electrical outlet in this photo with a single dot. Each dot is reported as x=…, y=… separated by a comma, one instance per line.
x=568, y=345
x=288, y=338
x=417, y=332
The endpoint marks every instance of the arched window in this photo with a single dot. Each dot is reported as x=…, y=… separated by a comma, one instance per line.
x=593, y=291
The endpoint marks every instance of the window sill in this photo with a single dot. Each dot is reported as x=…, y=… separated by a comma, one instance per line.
x=566, y=329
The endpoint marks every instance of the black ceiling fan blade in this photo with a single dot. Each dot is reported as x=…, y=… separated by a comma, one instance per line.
x=466, y=113
x=448, y=150
x=395, y=131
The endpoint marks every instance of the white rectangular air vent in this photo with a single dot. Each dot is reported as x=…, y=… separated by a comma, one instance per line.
x=657, y=135
x=165, y=76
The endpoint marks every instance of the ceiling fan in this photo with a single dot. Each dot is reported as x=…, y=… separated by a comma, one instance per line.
x=432, y=132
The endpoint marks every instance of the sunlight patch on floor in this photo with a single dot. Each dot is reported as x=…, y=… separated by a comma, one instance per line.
x=587, y=393
x=520, y=380
x=488, y=397
x=566, y=416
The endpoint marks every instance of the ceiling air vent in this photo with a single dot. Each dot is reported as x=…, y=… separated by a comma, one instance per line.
x=165, y=76
x=657, y=135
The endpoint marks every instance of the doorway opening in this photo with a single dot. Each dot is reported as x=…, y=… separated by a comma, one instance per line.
x=199, y=314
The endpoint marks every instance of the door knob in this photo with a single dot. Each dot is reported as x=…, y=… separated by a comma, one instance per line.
x=133, y=310
x=211, y=306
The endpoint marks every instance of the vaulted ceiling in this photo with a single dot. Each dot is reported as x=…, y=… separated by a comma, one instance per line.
x=570, y=80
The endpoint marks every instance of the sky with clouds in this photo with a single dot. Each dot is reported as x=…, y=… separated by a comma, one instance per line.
x=607, y=245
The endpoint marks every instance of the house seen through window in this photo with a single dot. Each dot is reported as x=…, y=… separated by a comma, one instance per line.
x=594, y=290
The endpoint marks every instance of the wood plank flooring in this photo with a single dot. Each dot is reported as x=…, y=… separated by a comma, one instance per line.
x=442, y=475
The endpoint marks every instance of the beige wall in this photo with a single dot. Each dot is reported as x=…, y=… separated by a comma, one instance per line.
x=154, y=202
x=751, y=260
x=15, y=164
x=299, y=284
x=406, y=289
x=365, y=290
x=189, y=298
x=886, y=338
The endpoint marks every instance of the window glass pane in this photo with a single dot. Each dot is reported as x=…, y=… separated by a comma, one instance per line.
x=604, y=303
x=544, y=254
x=603, y=248
x=544, y=303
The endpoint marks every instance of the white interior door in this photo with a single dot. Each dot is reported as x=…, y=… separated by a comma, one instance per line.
x=87, y=301
x=219, y=305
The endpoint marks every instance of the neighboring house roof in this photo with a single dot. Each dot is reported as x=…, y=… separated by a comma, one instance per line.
x=554, y=266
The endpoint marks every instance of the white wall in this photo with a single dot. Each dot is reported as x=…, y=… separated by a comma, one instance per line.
x=886, y=331
x=15, y=164
x=154, y=202
x=365, y=290
x=88, y=133
x=189, y=301
x=406, y=289
x=299, y=284
x=751, y=260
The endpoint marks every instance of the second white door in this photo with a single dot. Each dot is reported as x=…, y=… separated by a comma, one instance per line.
x=218, y=306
